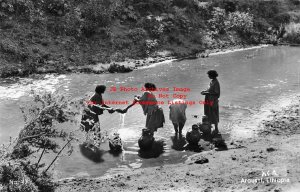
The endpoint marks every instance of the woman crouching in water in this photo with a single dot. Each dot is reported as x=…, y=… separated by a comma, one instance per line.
x=154, y=114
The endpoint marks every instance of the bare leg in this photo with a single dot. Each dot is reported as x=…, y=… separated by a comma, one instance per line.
x=216, y=128
x=175, y=128
x=181, y=125
x=97, y=134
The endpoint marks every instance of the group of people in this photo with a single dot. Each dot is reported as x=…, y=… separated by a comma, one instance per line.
x=153, y=112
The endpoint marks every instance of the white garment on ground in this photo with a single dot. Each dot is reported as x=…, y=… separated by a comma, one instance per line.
x=177, y=111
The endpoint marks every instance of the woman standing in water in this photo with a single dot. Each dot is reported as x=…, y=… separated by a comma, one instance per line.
x=211, y=104
x=90, y=120
x=154, y=114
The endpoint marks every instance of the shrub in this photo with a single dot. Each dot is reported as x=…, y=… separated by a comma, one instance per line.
x=152, y=25
x=295, y=16
x=115, y=68
x=283, y=18
x=121, y=42
x=137, y=34
x=292, y=34
x=240, y=21
x=151, y=45
x=57, y=7
x=17, y=7
x=74, y=22
x=128, y=13
x=154, y=7
x=21, y=151
x=40, y=132
x=96, y=13
x=218, y=21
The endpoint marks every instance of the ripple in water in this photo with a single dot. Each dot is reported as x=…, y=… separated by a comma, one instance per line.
x=25, y=85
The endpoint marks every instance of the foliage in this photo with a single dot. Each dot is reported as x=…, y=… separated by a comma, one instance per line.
x=96, y=13
x=21, y=151
x=137, y=34
x=128, y=13
x=9, y=7
x=221, y=22
x=115, y=68
x=40, y=134
x=57, y=7
x=292, y=34
x=151, y=45
x=218, y=23
x=240, y=21
x=13, y=177
x=42, y=180
x=74, y=23
x=118, y=29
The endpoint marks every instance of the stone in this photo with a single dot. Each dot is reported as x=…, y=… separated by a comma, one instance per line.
x=197, y=159
x=270, y=149
x=201, y=161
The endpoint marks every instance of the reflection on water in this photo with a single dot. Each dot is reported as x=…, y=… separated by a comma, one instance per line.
x=178, y=142
x=253, y=82
x=91, y=152
x=156, y=150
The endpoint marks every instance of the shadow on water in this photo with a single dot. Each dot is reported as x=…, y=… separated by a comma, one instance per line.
x=91, y=152
x=178, y=143
x=193, y=148
x=115, y=153
x=156, y=150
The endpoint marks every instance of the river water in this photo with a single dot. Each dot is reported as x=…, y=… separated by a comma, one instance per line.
x=253, y=83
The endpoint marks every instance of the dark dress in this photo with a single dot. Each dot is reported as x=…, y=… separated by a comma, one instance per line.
x=211, y=107
x=90, y=113
x=154, y=114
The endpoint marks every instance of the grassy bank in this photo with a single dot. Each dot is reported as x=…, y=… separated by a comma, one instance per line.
x=71, y=36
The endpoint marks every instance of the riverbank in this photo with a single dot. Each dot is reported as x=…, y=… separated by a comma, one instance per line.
x=158, y=58
x=132, y=64
x=267, y=162
x=96, y=37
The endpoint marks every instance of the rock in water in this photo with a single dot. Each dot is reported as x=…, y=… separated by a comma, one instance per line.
x=197, y=159
x=193, y=137
x=146, y=140
x=115, y=143
x=201, y=161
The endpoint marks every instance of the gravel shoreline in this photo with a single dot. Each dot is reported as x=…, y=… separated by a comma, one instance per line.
x=132, y=64
x=159, y=58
